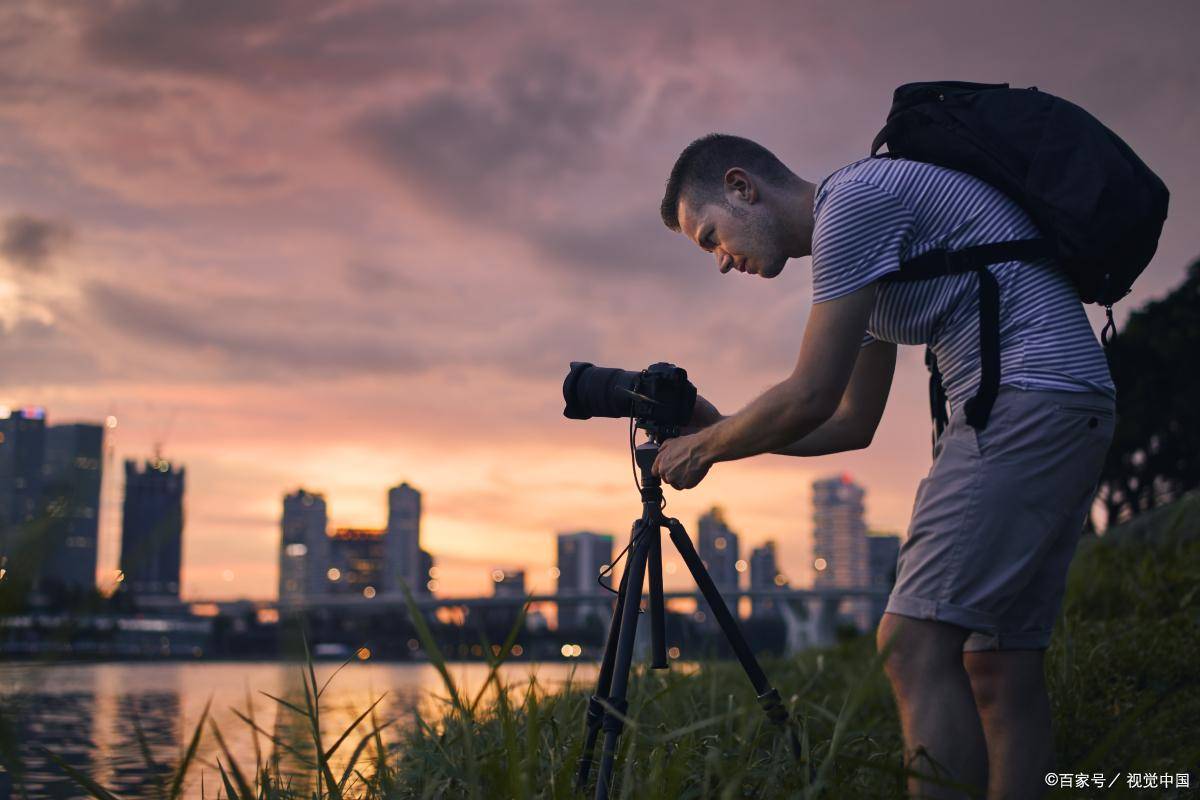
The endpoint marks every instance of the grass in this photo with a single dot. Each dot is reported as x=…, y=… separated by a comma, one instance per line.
x=1122, y=674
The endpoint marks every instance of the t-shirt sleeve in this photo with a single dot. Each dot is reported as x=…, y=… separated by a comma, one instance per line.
x=860, y=231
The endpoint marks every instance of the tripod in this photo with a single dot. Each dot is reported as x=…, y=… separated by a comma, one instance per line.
x=645, y=554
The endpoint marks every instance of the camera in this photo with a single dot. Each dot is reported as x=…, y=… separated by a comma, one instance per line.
x=660, y=398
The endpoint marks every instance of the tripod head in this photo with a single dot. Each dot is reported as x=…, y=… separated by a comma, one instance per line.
x=656, y=431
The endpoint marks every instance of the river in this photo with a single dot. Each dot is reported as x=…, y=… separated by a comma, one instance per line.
x=89, y=714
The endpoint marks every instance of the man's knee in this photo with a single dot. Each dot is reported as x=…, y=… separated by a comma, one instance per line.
x=918, y=650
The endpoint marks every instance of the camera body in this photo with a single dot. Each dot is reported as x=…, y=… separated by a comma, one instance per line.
x=667, y=396
x=660, y=398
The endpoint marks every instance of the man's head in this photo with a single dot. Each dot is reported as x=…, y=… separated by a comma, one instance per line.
x=735, y=199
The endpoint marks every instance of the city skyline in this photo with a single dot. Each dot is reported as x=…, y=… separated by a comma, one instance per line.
x=310, y=550
x=393, y=287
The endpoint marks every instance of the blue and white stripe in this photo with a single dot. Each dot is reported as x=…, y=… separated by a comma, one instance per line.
x=872, y=214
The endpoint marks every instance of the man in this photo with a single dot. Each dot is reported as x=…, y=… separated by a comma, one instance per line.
x=981, y=574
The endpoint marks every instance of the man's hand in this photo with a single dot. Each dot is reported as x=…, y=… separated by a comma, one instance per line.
x=680, y=463
x=703, y=414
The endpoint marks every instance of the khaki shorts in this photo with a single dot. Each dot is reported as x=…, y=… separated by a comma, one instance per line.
x=996, y=521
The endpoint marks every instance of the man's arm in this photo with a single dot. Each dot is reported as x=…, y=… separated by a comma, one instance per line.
x=804, y=401
x=853, y=425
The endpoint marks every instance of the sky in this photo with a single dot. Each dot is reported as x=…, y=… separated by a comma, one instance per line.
x=341, y=245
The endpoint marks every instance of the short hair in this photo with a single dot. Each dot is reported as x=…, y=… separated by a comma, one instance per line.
x=702, y=165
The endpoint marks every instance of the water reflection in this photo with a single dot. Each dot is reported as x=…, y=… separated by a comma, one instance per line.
x=90, y=715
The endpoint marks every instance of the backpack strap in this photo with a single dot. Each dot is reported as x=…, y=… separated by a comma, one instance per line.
x=937, y=396
x=935, y=264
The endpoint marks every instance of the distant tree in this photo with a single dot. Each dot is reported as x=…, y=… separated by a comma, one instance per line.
x=1155, y=364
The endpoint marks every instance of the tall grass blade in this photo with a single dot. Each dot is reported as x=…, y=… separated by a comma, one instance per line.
x=329, y=753
x=189, y=754
x=85, y=782
x=230, y=792
x=328, y=680
x=431, y=649
x=356, y=754
x=152, y=766
x=495, y=661
x=314, y=718
x=243, y=787
x=275, y=740
x=254, y=729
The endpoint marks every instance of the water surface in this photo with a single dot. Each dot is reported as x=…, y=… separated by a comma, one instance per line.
x=89, y=714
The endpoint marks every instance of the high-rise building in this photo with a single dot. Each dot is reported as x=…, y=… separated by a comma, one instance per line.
x=718, y=549
x=304, y=553
x=366, y=561
x=22, y=449
x=883, y=551
x=581, y=557
x=403, y=541
x=764, y=575
x=71, y=498
x=508, y=582
x=357, y=558
x=840, y=542
x=152, y=529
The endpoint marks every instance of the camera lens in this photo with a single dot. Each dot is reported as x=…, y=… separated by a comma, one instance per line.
x=592, y=391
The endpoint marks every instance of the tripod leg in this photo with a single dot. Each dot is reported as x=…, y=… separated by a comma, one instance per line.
x=595, y=710
x=768, y=697
x=620, y=677
x=656, y=608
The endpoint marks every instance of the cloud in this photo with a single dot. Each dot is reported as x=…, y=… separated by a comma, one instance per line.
x=276, y=45
x=369, y=277
x=30, y=242
x=537, y=123
x=38, y=353
x=248, y=337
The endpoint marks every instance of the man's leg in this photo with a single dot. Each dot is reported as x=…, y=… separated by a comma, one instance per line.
x=942, y=733
x=1010, y=693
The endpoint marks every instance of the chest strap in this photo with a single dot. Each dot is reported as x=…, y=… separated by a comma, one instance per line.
x=935, y=264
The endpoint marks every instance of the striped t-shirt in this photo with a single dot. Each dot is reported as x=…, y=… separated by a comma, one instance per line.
x=872, y=214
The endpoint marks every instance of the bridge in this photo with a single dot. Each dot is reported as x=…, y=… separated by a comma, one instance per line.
x=810, y=615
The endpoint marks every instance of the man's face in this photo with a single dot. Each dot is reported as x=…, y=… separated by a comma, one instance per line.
x=743, y=237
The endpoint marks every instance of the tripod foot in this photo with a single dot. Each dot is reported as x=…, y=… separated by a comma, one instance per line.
x=772, y=706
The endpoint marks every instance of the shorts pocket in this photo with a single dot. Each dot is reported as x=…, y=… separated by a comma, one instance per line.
x=1101, y=419
x=1084, y=411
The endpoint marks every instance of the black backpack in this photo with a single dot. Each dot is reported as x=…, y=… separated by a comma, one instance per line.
x=1099, y=208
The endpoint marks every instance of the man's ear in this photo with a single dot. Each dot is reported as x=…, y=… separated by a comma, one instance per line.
x=741, y=184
